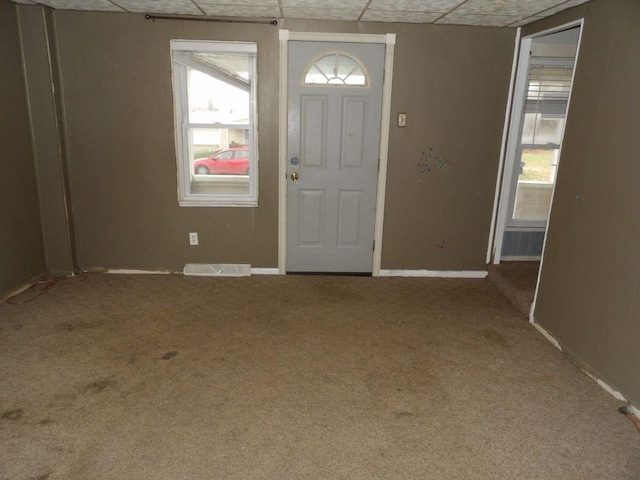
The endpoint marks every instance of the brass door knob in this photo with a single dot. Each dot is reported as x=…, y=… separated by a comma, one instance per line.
x=294, y=176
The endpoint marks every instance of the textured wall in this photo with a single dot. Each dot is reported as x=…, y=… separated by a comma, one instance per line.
x=451, y=81
x=40, y=63
x=116, y=78
x=21, y=250
x=590, y=281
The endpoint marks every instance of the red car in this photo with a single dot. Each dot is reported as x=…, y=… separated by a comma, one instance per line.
x=232, y=161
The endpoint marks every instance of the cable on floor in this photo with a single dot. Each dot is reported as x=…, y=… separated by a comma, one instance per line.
x=39, y=288
x=626, y=411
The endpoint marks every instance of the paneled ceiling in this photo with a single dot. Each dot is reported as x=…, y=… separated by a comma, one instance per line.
x=493, y=13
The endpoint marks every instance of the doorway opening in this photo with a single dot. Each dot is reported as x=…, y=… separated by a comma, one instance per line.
x=543, y=79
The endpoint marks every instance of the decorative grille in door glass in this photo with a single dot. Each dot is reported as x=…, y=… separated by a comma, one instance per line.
x=336, y=68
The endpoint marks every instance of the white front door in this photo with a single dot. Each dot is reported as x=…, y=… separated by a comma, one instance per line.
x=334, y=108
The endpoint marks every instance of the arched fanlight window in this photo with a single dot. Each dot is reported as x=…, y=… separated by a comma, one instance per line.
x=336, y=68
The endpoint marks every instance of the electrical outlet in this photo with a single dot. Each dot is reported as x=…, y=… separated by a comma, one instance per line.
x=402, y=119
x=193, y=238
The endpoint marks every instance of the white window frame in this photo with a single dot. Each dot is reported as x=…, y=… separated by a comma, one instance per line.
x=181, y=116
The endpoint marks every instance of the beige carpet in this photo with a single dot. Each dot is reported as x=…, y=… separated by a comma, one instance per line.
x=517, y=281
x=296, y=377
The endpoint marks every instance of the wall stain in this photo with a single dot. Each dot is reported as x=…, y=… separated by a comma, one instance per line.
x=430, y=161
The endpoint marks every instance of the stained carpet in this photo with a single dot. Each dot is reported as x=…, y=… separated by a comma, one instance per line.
x=295, y=377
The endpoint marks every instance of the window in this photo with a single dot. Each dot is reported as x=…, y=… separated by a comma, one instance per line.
x=336, y=68
x=547, y=94
x=214, y=89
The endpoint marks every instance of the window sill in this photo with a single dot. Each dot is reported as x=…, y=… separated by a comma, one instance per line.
x=217, y=203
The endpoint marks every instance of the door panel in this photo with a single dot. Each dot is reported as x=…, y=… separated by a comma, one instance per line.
x=311, y=221
x=353, y=110
x=349, y=218
x=333, y=149
x=314, y=129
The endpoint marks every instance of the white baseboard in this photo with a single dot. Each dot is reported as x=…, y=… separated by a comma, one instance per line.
x=605, y=386
x=435, y=273
x=546, y=334
x=265, y=271
x=21, y=288
x=130, y=271
x=133, y=271
x=634, y=411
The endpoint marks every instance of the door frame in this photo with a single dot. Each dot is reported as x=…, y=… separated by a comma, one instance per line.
x=511, y=138
x=285, y=36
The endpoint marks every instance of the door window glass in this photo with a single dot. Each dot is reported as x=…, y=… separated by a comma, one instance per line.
x=337, y=69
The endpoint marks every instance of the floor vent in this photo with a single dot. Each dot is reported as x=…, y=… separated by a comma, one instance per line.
x=217, y=269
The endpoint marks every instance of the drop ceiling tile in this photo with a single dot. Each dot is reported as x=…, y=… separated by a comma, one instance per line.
x=526, y=21
x=326, y=4
x=479, y=20
x=241, y=11
x=564, y=6
x=400, y=17
x=505, y=7
x=174, y=7
x=91, y=5
x=415, y=5
x=322, y=13
x=204, y=4
x=549, y=12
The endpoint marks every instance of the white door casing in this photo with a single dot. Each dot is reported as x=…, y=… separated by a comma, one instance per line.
x=334, y=140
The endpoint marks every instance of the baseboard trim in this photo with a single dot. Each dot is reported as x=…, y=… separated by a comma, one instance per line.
x=265, y=271
x=546, y=334
x=604, y=385
x=634, y=411
x=435, y=273
x=160, y=271
x=130, y=271
x=21, y=288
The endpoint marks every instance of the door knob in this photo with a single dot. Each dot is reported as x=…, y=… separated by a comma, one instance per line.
x=294, y=176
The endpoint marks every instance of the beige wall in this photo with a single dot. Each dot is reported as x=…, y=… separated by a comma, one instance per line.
x=45, y=110
x=590, y=281
x=21, y=249
x=116, y=79
x=451, y=81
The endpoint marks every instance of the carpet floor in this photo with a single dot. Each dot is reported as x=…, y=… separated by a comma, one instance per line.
x=295, y=377
x=517, y=281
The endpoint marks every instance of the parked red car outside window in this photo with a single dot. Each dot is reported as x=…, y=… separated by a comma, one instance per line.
x=231, y=161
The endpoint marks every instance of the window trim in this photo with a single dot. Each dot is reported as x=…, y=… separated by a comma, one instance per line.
x=181, y=126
